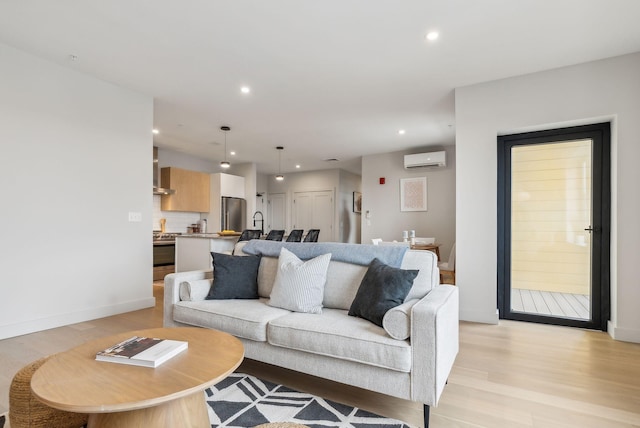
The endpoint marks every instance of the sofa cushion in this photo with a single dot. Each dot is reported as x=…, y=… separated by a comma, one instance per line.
x=428, y=278
x=267, y=275
x=382, y=288
x=234, y=277
x=237, y=248
x=335, y=334
x=397, y=321
x=299, y=286
x=246, y=318
x=343, y=280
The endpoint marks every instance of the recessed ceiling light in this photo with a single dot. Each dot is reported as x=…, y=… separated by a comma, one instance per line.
x=432, y=35
x=298, y=166
x=155, y=131
x=232, y=153
x=245, y=89
x=401, y=132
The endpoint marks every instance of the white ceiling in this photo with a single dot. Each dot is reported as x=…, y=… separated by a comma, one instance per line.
x=329, y=78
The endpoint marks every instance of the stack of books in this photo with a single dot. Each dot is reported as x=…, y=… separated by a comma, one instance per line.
x=142, y=351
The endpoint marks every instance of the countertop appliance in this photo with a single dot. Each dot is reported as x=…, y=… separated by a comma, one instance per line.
x=233, y=214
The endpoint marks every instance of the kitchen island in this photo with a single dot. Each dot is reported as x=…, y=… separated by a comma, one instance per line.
x=193, y=251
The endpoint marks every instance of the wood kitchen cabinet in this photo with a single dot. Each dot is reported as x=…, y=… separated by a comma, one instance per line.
x=192, y=190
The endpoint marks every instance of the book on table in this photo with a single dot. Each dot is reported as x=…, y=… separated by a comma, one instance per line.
x=142, y=351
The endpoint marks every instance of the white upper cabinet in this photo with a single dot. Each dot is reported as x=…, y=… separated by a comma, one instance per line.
x=231, y=185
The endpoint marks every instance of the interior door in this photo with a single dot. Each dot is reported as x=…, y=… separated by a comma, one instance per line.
x=554, y=215
x=277, y=213
x=314, y=210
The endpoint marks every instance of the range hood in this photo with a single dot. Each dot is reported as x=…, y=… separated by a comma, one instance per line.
x=157, y=190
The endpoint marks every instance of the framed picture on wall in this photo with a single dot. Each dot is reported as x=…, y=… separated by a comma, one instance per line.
x=357, y=202
x=413, y=194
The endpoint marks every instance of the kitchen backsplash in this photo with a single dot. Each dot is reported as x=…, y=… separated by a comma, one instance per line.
x=177, y=222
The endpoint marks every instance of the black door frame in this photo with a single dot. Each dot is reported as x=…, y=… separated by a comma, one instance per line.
x=601, y=217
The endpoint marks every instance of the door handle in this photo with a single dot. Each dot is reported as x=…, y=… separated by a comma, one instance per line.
x=592, y=229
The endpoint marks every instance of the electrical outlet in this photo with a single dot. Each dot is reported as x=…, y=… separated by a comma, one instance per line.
x=135, y=216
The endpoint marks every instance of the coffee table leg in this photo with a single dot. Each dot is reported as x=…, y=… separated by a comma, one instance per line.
x=189, y=411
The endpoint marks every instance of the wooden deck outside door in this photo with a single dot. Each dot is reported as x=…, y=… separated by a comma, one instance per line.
x=553, y=205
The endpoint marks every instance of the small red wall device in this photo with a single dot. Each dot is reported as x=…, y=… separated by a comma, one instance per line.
x=381, y=180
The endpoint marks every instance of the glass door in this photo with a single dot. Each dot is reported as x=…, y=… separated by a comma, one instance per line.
x=551, y=222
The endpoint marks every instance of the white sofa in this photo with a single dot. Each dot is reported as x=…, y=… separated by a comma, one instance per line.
x=332, y=344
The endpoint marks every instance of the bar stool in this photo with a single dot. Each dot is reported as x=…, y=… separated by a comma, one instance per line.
x=295, y=235
x=275, y=235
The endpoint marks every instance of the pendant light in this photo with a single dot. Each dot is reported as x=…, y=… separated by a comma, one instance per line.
x=279, y=177
x=225, y=163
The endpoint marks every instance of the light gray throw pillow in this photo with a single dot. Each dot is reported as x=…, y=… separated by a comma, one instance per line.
x=397, y=321
x=194, y=290
x=299, y=286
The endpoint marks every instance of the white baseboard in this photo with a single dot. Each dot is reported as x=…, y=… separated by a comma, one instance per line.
x=32, y=326
x=623, y=334
x=481, y=317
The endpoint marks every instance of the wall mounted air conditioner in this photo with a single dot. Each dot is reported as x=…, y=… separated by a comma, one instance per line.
x=424, y=160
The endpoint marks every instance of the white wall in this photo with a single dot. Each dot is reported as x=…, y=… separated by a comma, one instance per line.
x=383, y=200
x=75, y=159
x=587, y=93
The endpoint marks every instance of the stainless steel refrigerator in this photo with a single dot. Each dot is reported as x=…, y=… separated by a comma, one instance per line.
x=234, y=214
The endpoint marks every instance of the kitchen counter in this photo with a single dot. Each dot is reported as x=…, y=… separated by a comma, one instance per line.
x=193, y=251
x=209, y=236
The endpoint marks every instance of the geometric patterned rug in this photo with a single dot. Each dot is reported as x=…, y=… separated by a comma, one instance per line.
x=242, y=401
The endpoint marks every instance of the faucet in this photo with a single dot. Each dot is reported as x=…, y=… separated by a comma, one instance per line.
x=261, y=220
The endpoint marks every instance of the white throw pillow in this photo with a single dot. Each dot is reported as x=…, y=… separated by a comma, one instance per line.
x=299, y=286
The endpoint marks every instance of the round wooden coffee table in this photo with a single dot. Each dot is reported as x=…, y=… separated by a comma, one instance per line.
x=132, y=396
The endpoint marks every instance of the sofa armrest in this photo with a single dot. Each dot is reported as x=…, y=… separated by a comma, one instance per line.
x=172, y=291
x=434, y=342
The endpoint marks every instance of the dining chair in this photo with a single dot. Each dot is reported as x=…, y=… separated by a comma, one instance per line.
x=295, y=235
x=275, y=235
x=448, y=268
x=312, y=235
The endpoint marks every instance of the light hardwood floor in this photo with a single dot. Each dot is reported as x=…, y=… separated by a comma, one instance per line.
x=508, y=375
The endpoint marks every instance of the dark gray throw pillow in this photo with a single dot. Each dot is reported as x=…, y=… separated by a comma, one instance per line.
x=382, y=288
x=234, y=277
